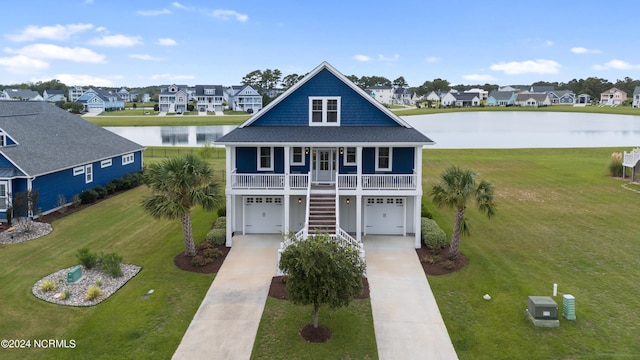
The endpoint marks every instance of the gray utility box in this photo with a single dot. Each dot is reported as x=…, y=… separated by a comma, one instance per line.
x=542, y=308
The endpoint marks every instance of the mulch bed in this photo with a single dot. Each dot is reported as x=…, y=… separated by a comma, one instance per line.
x=278, y=288
x=183, y=262
x=443, y=265
x=319, y=335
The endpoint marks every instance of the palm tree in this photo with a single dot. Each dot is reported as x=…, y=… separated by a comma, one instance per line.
x=177, y=184
x=454, y=190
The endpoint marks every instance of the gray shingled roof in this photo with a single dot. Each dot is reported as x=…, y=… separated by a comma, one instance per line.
x=50, y=139
x=324, y=134
x=217, y=88
x=501, y=95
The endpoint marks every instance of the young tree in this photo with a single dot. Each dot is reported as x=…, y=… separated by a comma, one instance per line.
x=178, y=184
x=321, y=271
x=400, y=82
x=454, y=190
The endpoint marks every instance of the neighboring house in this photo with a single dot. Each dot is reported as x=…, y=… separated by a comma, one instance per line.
x=98, y=100
x=540, y=89
x=173, y=98
x=613, y=96
x=4, y=96
x=402, y=96
x=562, y=97
x=501, y=98
x=23, y=95
x=434, y=96
x=209, y=98
x=636, y=97
x=46, y=149
x=482, y=94
x=124, y=95
x=244, y=98
x=324, y=156
x=467, y=99
x=75, y=92
x=448, y=99
x=583, y=99
x=54, y=96
x=532, y=99
x=508, y=89
x=384, y=94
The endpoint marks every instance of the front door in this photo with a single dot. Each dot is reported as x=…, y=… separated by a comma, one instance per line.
x=324, y=165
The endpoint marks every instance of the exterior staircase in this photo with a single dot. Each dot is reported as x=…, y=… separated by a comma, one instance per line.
x=322, y=212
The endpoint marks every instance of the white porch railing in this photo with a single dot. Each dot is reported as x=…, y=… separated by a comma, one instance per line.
x=344, y=181
x=299, y=181
x=257, y=181
x=389, y=181
x=630, y=159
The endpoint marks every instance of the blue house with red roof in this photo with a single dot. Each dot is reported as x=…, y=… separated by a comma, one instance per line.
x=324, y=156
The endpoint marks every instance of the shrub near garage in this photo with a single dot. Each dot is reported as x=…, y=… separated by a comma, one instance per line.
x=433, y=236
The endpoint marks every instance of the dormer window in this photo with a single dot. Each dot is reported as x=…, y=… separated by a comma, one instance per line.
x=209, y=91
x=324, y=111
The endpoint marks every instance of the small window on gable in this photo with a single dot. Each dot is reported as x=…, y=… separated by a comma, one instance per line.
x=297, y=156
x=127, y=159
x=265, y=158
x=324, y=111
x=78, y=170
x=3, y=140
x=105, y=163
x=383, y=159
x=350, y=156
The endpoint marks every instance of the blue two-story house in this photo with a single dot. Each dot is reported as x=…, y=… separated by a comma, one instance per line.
x=58, y=154
x=324, y=156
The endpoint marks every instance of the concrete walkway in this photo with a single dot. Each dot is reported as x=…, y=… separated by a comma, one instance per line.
x=225, y=325
x=406, y=318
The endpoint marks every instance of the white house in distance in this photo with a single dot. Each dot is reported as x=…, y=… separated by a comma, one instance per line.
x=636, y=97
x=383, y=94
x=324, y=156
x=209, y=98
x=173, y=99
x=613, y=96
x=244, y=98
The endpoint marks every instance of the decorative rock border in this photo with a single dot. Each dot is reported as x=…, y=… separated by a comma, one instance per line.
x=18, y=234
x=79, y=289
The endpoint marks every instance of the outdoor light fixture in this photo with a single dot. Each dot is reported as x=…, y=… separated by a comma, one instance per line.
x=299, y=200
x=341, y=151
x=347, y=201
x=306, y=151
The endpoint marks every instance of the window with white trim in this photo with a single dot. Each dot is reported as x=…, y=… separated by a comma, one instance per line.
x=383, y=159
x=297, y=156
x=78, y=170
x=324, y=111
x=265, y=158
x=127, y=159
x=3, y=140
x=4, y=194
x=350, y=156
x=105, y=163
x=88, y=173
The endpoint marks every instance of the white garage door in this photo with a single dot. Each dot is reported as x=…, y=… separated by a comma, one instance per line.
x=263, y=214
x=385, y=216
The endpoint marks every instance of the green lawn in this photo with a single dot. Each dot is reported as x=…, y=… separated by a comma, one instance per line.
x=562, y=220
x=125, y=326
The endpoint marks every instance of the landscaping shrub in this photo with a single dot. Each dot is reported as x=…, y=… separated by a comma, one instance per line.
x=65, y=295
x=432, y=235
x=88, y=196
x=88, y=259
x=48, y=285
x=62, y=204
x=615, y=166
x=212, y=253
x=200, y=261
x=425, y=213
x=217, y=236
x=119, y=184
x=222, y=211
x=110, y=187
x=220, y=223
x=101, y=191
x=75, y=200
x=93, y=293
x=204, y=246
x=111, y=264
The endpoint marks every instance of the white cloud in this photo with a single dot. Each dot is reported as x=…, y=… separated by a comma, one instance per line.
x=55, y=32
x=224, y=14
x=549, y=43
x=539, y=66
x=170, y=76
x=582, y=50
x=146, y=57
x=117, y=41
x=166, y=42
x=154, y=12
x=363, y=58
x=479, y=77
x=432, y=59
x=395, y=57
x=616, y=65
x=50, y=51
x=21, y=64
x=179, y=6
x=83, y=80
x=101, y=29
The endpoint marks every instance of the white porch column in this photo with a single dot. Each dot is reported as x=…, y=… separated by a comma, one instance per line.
x=287, y=211
x=359, y=218
x=287, y=168
x=418, y=199
x=230, y=220
x=359, y=169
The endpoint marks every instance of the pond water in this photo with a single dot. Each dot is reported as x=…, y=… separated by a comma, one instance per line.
x=464, y=130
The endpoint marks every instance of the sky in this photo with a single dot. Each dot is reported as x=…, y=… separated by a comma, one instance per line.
x=113, y=43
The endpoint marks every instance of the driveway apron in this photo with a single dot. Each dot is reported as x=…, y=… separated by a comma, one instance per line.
x=225, y=325
x=406, y=318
